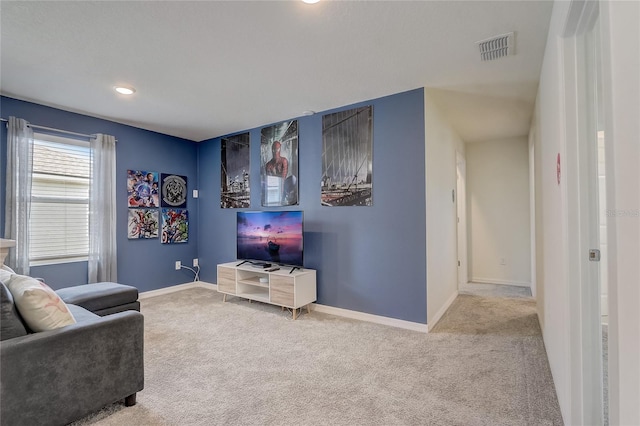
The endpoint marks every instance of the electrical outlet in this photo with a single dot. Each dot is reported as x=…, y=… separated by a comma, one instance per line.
x=178, y=265
x=195, y=262
x=503, y=261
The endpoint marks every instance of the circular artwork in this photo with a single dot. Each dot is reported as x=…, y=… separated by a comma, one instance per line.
x=174, y=191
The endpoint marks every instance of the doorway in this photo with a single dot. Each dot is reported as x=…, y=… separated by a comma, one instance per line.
x=461, y=212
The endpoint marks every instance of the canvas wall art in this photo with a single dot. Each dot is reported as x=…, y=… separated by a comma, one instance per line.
x=347, y=158
x=142, y=223
x=173, y=191
x=142, y=189
x=175, y=226
x=236, y=161
x=279, y=164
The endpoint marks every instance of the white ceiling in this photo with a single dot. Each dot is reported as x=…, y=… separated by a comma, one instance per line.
x=207, y=68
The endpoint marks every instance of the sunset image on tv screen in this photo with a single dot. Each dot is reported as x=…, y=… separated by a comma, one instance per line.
x=273, y=236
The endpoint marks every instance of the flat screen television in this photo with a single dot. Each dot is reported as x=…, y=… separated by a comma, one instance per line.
x=270, y=237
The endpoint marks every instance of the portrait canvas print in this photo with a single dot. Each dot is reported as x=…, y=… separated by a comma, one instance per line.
x=235, y=158
x=142, y=223
x=175, y=226
x=173, y=191
x=347, y=147
x=142, y=188
x=279, y=164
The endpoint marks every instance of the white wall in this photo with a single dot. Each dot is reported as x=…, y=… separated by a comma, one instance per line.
x=498, y=211
x=553, y=295
x=558, y=303
x=442, y=257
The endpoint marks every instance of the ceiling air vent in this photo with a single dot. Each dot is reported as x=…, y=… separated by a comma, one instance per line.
x=496, y=47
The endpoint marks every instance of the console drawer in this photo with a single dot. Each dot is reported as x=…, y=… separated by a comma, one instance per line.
x=282, y=290
x=226, y=280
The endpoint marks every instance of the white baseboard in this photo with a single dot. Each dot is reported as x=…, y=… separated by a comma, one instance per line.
x=499, y=282
x=442, y=310
x=174, y=288
x=377, y=319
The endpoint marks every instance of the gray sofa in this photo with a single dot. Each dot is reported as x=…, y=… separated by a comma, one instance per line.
x=55, y=377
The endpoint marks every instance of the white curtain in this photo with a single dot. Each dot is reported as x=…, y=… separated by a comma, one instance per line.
x=102, y=211
x=18, y=192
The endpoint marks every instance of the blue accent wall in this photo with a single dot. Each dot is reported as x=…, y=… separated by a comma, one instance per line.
x=368, y=259
x=145, y=264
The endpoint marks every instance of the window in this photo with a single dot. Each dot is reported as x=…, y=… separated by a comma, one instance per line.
x=59, y=220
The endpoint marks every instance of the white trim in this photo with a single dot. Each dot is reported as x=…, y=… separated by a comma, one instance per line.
x=442, y=311
x=461, y=219
x=66, y=140
x=377, y=319
x=604, y=305
x=499, y=282
x=532, y=207
x=174, y=288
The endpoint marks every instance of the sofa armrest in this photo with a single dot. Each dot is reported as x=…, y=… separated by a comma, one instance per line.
x=57, y=376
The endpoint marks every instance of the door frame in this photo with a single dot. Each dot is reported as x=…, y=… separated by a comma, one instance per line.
x=581, y=219
x=532, y=209
x=461, y=223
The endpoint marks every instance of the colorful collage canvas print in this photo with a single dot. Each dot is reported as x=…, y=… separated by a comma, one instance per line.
x=142, y=189
x=142, y=224
x=175, y=226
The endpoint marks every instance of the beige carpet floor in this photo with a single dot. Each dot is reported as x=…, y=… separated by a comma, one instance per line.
x=494, y=290
x=235, y=363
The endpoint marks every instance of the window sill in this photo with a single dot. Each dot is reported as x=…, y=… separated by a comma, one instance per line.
x=58, y=261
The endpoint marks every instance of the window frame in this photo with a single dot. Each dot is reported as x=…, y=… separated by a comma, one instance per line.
x=40, y=199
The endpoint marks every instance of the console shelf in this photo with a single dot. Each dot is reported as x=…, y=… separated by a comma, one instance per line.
x=293, y=290
x=254, y=281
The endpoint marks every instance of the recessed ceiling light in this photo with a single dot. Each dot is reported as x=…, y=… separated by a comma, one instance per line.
x=310, y=1
x=125, y=90
x=308, y=112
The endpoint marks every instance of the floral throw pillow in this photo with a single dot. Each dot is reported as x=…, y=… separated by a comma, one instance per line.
x=40, y=307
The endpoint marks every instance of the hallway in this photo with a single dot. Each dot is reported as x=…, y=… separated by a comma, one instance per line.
x=506, y=357
x=494, y=290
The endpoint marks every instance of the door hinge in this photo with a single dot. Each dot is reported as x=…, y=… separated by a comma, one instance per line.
x=594, y=255
x=458, y=263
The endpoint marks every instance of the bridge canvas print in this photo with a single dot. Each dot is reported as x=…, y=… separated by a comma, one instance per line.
x=347, y=148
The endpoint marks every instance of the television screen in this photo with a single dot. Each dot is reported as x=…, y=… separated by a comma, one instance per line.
x=270, y=236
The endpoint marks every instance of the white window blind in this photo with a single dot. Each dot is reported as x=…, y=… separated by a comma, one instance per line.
x=59, y=221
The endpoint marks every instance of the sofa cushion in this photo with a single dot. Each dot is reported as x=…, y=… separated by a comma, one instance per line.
x=40, y=307
x=83, y=316
x=98, y=296
x=10, y=322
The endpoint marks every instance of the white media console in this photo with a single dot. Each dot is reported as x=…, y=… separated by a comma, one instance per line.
x=283, y=287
